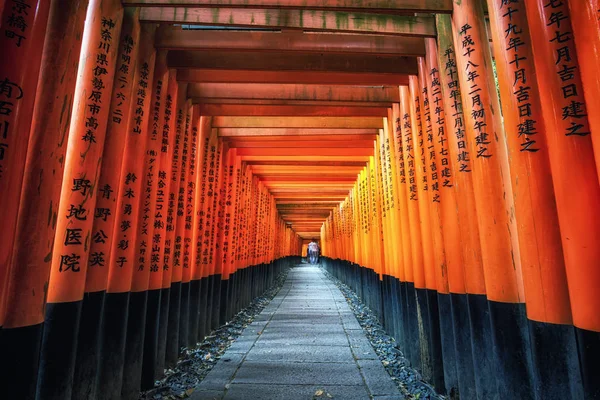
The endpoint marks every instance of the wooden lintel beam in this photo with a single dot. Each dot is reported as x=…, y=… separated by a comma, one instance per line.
x=233, y=110
x=299, y=122
x=302, y=157
x=343, y=133
x=334, y=140
x=292, y=151
x=304, y=144
x=315, y=20
x=294, y=92
x=437, y=6
x=295, y=102
x=286, y=77
x=174, y=38
x=282, y=61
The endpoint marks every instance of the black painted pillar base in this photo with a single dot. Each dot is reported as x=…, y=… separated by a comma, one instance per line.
x=216, y=303
x=447, y=342
x=134, y=345
x=163, y=325
x=463, y=346
x=110, y=374
x=19, y=360
x=414, y=343
x=203, y=301
x=512, y=349
x=555, y=361
x=58, y=351
x=85, y=381
x=588, y=343
x=150, y=372
x=194, y=309
x=172, y=351
x=224, y=308
x=184, y=315
x=483, y=348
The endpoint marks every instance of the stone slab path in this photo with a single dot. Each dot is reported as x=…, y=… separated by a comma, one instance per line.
x=306, y=344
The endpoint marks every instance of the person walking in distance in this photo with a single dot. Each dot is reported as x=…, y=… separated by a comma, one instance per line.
x=313, y=252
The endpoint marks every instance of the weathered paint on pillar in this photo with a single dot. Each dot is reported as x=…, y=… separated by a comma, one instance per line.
x=42, y=178
x=44, y=167
x=24, y=25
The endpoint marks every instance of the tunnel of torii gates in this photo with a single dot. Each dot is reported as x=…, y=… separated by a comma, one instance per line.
x=162, y=160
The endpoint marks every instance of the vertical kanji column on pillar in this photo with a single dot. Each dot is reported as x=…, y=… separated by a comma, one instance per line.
x=495, y=206
x=585, y=18
x=92, y=324
x=122, y=259
x=20, y=337
x=173, y=272
x=83, y=163
x=467, y=286
x=546, y=292
x=160, y=218
x=142, y=328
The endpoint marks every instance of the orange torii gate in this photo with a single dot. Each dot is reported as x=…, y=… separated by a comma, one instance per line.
x=156, y=176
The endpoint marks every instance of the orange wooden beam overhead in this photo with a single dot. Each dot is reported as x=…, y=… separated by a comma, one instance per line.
x=290, y=111
x=292, y=142
x=293, y=92
x=258, y=102
x=286, y=61
x=174, y=38
x=439, y=6
x=282, y=77
x=305, y=158
x=299, y=122
x=319, y=20
x=297, y=133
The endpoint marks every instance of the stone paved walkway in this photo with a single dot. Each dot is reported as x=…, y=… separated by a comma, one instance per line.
x=306, y=344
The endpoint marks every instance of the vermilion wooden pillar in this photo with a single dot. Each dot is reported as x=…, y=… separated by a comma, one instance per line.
x=546, y=293
x=189, y=213
x=24, y=25
x=160, y=218
x=198, y=295
x=446, y=210
x=144, y=304
x=467, y=287
x=74, y=224
x=122, y=261
x=421, y=125
x=181, y=230
x=495, y=205
x=20, y=336
x=171, y=275
x=402, y=179
x=573, y=170
x=414, y=270
x=92, y=325
x=585, y=17
x=215, y=270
